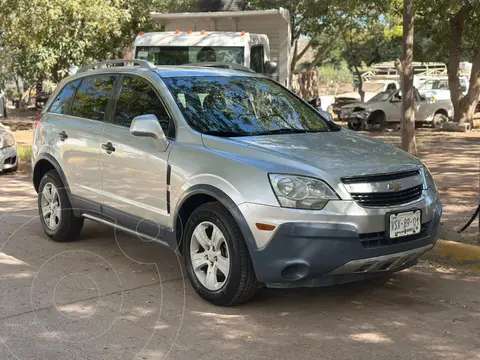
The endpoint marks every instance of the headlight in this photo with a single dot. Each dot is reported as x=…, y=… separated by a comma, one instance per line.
x=6, y=140
x=301, y=192
x=428, y=181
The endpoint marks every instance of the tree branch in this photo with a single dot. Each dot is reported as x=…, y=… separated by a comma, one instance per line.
x=304, y=50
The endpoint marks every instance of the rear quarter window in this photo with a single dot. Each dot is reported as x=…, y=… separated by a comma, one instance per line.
x=92, y=97
x=61, y=104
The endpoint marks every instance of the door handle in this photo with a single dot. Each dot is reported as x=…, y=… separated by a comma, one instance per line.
x=63, y=135
x=108, y=147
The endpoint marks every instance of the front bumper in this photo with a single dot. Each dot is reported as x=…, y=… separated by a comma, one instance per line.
x=8, y=158
x=304, y=254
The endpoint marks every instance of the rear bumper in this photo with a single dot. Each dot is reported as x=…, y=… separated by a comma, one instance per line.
x=8, y=158
x=315, y=254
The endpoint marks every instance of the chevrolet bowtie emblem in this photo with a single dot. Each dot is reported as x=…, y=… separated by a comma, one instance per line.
x=394, y=187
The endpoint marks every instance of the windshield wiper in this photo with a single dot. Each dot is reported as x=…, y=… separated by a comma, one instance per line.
x=288, y=131
x=225, y=133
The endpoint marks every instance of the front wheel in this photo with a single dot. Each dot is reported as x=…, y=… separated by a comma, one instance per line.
x=216, y=257
x=355, y=126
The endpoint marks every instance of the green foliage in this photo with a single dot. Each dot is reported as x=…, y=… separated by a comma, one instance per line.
x=329, y=74
x=45, y=38
x=24, y=153
x=433, y=34
x=325, y=22
x=12, y=93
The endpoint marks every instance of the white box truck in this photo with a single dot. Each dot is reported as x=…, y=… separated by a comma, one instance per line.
x=241, y=37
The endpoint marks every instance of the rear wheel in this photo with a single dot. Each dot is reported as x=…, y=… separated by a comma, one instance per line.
x=216, y=257
x=56, y=214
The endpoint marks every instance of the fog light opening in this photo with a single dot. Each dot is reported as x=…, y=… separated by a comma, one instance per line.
x=295, y=271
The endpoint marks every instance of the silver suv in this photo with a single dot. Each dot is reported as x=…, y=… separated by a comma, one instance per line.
x=233, y=171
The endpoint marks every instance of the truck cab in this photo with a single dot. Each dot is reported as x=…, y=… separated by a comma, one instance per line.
x=194, y=47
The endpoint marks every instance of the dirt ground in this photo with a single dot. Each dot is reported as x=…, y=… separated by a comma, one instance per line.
x=454, y=161
x=452, y=157
x=113, y=296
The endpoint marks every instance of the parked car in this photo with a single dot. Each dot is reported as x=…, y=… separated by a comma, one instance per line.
x=8, y=150
x=317, y=104
x=233, y=171
x=386, y=108
x=438, y=89
x=370, y=88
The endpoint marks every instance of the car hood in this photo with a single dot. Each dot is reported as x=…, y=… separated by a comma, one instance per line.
x=353, y=105
x=333, y=154
x=355, y=95
x=350, y=95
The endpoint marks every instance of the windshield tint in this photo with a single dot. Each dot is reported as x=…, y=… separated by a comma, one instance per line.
x=242, y=106
x=382, y=96
x=179, y=55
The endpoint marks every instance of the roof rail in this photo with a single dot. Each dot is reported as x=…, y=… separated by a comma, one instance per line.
x=222, y=65
x=120, y=62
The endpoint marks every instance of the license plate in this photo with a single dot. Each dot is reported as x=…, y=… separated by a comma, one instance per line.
x=405, y=223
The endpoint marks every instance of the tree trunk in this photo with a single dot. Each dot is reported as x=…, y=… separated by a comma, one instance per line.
x=468, y=103
x=407, y=123
x=293, y=62
x=360, y=84
x=457, y=24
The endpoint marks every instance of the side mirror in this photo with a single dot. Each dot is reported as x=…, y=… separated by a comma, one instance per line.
x=149, y=126
x=396, y=100
x=271, y=70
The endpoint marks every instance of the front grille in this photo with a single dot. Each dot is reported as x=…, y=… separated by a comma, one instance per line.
x=388, y=198
x=380, y=239
x=379, y=177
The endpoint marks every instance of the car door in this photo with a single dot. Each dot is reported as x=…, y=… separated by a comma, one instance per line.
x=134, y=174
x=77, y=117
x=393, y=108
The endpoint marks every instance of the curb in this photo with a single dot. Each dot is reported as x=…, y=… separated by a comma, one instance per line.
x=455, y=253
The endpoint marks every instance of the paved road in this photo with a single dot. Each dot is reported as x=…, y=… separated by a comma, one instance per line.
x=110, y=296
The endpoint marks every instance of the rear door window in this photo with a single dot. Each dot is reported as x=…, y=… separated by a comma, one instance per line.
x=92, y=97
x=137, y=97
x=61, y=105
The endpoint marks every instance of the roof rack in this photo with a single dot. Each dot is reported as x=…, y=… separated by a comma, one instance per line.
x=120, y=62
x=222, y=65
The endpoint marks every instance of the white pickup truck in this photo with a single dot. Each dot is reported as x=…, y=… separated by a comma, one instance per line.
x=386, y=107
x=438, y=88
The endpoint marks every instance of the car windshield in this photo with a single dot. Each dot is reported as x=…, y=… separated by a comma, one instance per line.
x=243, y=106
x=381, y=96
x=179, y=55
x=434, y=85
x=373, y=86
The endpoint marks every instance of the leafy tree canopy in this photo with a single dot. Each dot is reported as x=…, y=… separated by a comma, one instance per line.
x=45, y=38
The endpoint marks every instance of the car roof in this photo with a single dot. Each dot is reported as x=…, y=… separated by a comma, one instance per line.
x=166, y=71
x=175, y=71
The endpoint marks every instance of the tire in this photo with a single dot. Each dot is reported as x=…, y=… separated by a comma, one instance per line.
x=68, y=226
x=354, y=126
x=439, y=120
x=240, y=284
